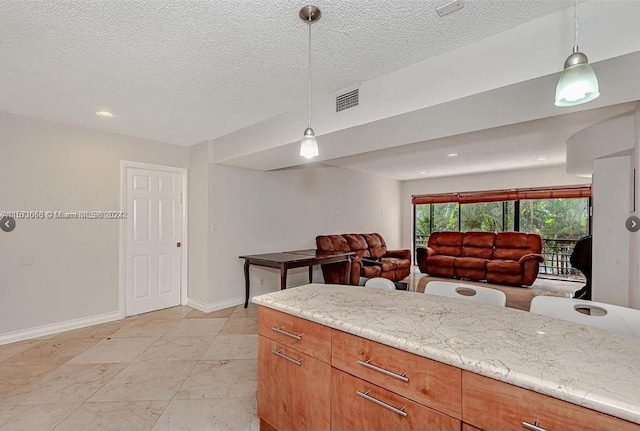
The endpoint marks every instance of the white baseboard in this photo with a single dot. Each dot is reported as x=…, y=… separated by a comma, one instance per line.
x=214, y=306
x=54, y=328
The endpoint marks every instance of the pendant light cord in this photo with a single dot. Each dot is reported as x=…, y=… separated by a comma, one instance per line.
x=575, y=24
x=309, y=69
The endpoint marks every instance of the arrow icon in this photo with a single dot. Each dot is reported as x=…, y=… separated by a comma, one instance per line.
x=633, y=224
x=7, y=224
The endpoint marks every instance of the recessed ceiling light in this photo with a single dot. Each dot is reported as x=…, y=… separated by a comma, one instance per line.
x=423, y=172
x=105, y=114
x=452, y=155
x=540, y=159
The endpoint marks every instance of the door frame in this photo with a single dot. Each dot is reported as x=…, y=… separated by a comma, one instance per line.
x=124, y=166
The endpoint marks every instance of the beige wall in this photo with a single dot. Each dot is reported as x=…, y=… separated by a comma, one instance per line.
x=611, y=240
x=258, y=212
x=609, y=147
x=51, y=166
x=198, y=221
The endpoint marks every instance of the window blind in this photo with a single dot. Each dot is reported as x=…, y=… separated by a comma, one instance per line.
x=583, y=191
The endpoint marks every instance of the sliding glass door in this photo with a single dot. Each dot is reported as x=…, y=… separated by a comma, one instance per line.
x=559, y=221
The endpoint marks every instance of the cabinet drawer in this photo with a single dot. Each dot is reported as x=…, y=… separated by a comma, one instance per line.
x=490, y=404
x=358, y=405
x=302, y=335
x=294, y=389
x=428, y=382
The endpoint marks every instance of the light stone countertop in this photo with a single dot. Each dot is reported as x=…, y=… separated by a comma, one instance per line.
x=586, y=366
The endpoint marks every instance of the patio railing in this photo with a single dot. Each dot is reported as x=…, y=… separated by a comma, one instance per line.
x=556, y=254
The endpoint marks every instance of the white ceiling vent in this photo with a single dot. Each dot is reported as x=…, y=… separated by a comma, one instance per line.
x=347, y=100
x=450, y=7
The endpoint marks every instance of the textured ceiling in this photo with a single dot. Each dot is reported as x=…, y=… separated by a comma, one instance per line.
x=186, y=71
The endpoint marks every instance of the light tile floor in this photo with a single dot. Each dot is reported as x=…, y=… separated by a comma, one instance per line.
x=174, y=369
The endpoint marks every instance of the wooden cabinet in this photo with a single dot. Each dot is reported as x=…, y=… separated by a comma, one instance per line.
x=293, y=388
x=294, y=374
x=304, y=336
x=489, y=404
x=312, y=377
x=427, y=382
x=360, y=405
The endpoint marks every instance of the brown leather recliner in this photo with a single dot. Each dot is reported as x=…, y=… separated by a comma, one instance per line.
x=372, y=259
x=508, y=258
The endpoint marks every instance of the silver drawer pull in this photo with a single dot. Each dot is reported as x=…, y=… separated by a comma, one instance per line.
x=366, y=396
x=283, y=356
x=367, y=364
x=279, y=330
x=532, y=427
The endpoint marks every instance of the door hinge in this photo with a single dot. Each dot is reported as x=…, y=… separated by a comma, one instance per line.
x=179, y=245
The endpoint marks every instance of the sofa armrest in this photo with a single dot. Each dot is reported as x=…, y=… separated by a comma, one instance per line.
x=399, y=254
x=530, y=256
x=370, y=262
x=356, y=269
x=530, y=264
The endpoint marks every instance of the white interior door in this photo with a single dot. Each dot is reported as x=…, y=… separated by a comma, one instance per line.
x=154, y=230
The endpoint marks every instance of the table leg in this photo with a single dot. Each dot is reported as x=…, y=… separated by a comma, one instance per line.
x=246, y=283
x=283, y=277
x=347, y=277
x=310, y=273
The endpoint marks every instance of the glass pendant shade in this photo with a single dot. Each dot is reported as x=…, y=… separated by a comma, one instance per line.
x=577, y=84
x=309, y=145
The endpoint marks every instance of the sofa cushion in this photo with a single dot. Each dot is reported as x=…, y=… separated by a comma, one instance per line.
x=478, y=244
x=447, y=243
x=514, y=245
x=377, y=246
x=356, y=242
x=504, y=266
x=470, y=263
x=388, y=265
x=397, y=262
x=393, y=263
x=371, y=271
x=332, y=243
x=440, y=260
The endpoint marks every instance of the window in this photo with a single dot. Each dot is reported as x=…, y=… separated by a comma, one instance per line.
x=555, y=218
x=488, y=216
x=560, y=222
x=422, y=226
x=559, y=216
x=445, y=217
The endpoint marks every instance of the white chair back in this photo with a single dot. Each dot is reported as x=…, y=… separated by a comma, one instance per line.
x=380, y=283
x=468, y=292
x=609, y=317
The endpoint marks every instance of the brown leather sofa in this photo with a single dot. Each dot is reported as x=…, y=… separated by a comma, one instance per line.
x=372, y=259
x=508, y=258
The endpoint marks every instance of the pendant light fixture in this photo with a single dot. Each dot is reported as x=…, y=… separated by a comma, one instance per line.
x=309, y=145
x=578, y=83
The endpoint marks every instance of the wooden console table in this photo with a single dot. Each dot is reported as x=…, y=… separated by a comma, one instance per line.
x=293, y=259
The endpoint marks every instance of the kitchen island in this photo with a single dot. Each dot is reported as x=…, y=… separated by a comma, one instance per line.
x=330, y=353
